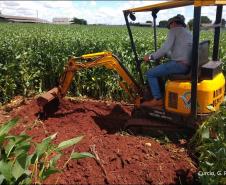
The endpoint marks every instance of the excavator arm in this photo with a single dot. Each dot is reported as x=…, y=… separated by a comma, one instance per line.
x=106, y=59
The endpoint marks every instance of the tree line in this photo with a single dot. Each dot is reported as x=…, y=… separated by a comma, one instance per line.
x=204, y=20
x=76, y=20
x=162, y=24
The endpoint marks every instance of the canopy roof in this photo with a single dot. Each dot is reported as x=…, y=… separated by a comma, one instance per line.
x=177, y=3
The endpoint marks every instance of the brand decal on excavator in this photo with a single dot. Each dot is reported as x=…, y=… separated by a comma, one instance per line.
x=186, y=98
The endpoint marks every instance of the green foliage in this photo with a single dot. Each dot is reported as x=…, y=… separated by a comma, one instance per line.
x=190, y=24
x=204, y=20
x=32, y=57
x=223, y=22
x=79, y=21
x=163, y=24
x=23, y=161
x=210, y=142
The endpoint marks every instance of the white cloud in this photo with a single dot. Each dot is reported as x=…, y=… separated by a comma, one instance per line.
x=105, y=12
x=11, y=3
x=93, y=3
x=209, y=12
x=50, y=9
x=114, y=15
x=44, y=9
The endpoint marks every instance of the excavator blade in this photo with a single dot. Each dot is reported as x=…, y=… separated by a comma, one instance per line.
x=48, y=102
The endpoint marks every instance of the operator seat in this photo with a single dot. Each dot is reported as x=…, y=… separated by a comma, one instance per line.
x=203, y=59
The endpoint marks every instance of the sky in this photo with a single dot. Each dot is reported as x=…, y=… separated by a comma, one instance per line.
x=95, y=12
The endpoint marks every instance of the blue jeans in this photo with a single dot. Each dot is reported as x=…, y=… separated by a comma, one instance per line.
x=171, y=67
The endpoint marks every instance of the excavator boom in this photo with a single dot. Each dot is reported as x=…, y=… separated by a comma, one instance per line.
x=106, y=59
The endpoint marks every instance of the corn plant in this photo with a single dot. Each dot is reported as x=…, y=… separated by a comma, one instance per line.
x=23, y=161
x=32, y=56
x=210, y=147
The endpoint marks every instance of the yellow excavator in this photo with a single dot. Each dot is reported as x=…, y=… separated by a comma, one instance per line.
x=186, y=97
x=106, y=59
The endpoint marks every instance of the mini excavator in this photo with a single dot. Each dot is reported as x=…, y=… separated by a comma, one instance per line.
x=186, y=97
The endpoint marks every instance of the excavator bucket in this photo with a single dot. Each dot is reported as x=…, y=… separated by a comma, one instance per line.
x=48, y=102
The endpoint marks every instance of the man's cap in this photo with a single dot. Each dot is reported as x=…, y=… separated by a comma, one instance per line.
x=178, y=18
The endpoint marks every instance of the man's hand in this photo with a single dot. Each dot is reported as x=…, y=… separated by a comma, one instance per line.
x=147, y=58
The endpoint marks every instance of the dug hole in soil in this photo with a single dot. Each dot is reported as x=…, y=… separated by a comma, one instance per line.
x=123, y=158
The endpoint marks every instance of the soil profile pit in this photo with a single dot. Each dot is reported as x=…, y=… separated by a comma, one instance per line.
x=124, y=158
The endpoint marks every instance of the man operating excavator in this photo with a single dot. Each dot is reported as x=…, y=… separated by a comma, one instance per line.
x=195, y=88
x=179, y=46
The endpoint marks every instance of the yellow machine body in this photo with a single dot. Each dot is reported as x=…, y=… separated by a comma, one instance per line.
x=210, y=94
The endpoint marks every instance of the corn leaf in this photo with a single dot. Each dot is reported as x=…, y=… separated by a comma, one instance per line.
x=49, y=172
x=17, y=170
x=2, y=138
x=7, y=126
x=42, y=147
x=54, y=160
x=77, y=155
x=24, y=146
x=5, y=169
x=2, y=178
x=205, y=133
x=68, y=143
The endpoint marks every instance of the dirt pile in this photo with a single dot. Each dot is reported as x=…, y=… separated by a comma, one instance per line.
x=123, y=158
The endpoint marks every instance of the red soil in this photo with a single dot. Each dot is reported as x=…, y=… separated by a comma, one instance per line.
x=124, y=158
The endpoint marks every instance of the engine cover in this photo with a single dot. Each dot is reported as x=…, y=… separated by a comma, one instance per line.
x=210, y=93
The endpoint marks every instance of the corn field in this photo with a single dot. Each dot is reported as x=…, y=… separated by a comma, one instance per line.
x=32, y=57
